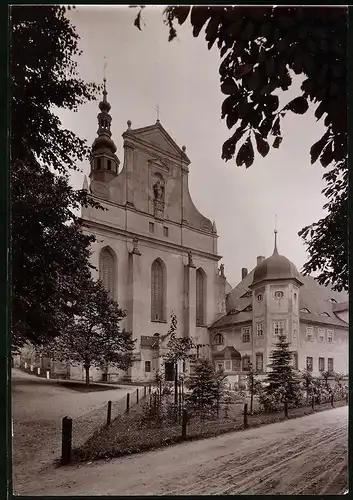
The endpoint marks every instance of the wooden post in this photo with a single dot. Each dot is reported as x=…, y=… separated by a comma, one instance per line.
x=286, y=409
x=127, y=402
x=66, y=440
x=332, y=400
x=109, y=413
x=176, y=384
x=31, y=368
x=137, y=395
x=149, y=388
x=144, y=392
x=246, y=425
x=184, y=422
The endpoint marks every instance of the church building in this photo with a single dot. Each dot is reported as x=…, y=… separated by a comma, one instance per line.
x=155, y=252
x=157, y=255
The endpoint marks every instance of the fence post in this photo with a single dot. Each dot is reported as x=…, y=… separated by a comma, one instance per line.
x=38, y=371
x=246, y=425
x=137, y=395
x=149, y=388
x=109, y=413
x=332, y=399
x=286, y=409
x=66, y=440
x=144, y=391
x=184, y=422
x=127, y=402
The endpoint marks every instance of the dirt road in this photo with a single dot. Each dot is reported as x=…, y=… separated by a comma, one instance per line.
x=38, y=406
x=303, y=456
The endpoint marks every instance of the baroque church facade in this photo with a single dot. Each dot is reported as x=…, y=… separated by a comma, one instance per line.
x=157, y=255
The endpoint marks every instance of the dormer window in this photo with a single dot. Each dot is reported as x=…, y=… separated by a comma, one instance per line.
x=247, y=294
x=334, y=301
x=325, y=314
x=304, y=310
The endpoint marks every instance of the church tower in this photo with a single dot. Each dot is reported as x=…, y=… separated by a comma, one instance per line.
x=104, y=162
x=275, y=286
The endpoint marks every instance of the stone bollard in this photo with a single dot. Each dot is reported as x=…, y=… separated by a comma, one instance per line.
x=48, y=374
x=31, y=368
x=26, y=365
x=38, y=371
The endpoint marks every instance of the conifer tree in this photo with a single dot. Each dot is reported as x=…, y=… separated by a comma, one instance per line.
x=281, y=377
x=206, y=386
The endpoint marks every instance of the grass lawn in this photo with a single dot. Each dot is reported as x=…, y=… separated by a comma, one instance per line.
x=82, y=387
x=126, y=436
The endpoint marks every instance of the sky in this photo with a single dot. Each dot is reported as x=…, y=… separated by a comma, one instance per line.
x=182, y=77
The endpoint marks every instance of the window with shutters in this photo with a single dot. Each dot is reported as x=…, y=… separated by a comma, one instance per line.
x=309, y=363
x=107, y=271
x=330, y=364
x=321, y=364
x=158, y=283
x=200, y=297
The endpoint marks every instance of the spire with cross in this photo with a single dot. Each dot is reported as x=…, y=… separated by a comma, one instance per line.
x=275, y=232
x=157, y=110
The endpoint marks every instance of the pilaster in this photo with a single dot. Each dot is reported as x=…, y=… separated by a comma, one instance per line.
x=129, y=166
x=189, y=299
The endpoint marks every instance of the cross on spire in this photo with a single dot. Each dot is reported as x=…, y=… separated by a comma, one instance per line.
x=275, y=232
x=105, y=69
x=157, y=110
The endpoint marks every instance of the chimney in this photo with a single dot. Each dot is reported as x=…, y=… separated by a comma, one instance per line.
x=259, y=259
x=244, y=272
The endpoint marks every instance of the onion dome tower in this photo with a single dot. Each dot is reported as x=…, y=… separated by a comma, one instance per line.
x=104, y=162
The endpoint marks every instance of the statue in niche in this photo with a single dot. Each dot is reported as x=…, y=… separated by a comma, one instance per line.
x=221, y=268
x=135, y=243
x=191, y=261
x=158, y=190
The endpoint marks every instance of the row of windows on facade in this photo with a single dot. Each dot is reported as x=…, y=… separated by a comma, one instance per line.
x=158, y=286
x=165, y=229
x=321, y=364
x=234, y=365
x=278, y=329
x=245, y=363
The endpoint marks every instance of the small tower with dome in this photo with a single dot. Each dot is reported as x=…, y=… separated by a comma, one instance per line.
x=275, y=285
x=104, y=162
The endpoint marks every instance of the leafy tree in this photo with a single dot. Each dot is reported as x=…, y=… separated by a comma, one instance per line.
x=326, y=376
x=205, y=385
x=260, y=49
x=307, y=379
x=281, y=378
x=49, y=251
x=94, y=337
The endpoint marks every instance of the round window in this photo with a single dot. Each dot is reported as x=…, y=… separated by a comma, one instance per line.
x=279, y=294
x=259, y=297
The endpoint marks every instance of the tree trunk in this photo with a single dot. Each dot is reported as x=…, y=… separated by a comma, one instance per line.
x=87, y=367
x=252, y=394
x=176, y=385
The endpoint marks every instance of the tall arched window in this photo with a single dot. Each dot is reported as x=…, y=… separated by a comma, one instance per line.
x=107, y=271
x=200, y=297
x=158, y=286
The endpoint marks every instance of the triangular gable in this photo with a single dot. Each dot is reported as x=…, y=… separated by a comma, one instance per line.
x=157, y=136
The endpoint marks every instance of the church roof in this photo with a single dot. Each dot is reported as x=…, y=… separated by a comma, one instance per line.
x=276, y=267
x=315, y=298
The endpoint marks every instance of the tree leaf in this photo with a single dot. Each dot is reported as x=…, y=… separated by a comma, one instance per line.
x=316, y=149
x=262, y=146
x=246, y=154
x=277, y=142
x=299, y=105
